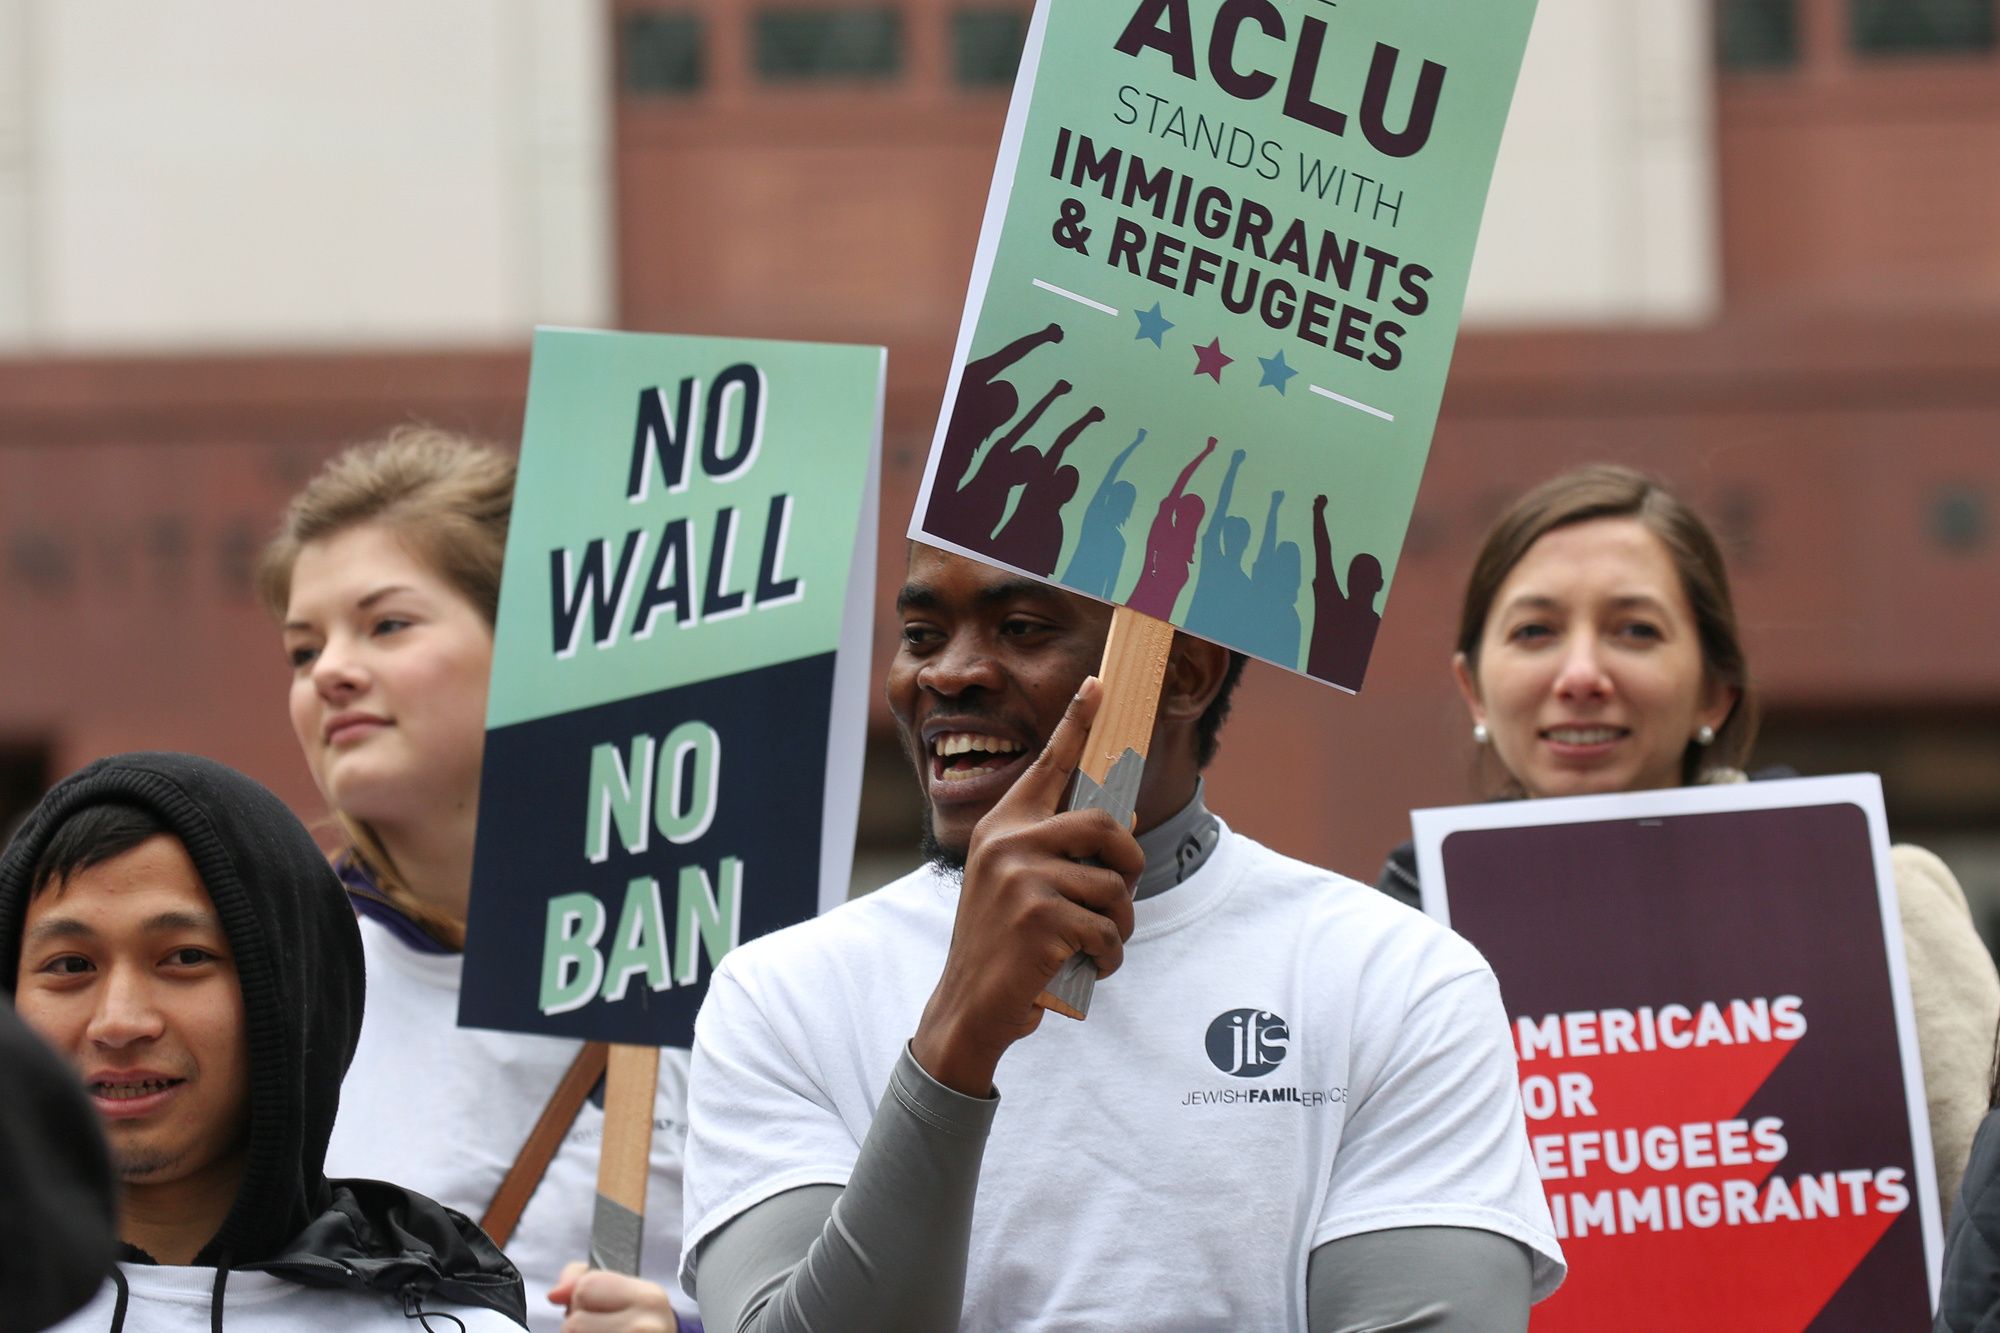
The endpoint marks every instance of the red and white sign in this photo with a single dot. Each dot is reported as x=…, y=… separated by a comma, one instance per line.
x=1717, y=1056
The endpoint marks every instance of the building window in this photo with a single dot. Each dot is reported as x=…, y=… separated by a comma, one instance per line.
x=662, y=53
x=1757, y=34
x=986, y=46
x=810, y=45
x=1920, y=27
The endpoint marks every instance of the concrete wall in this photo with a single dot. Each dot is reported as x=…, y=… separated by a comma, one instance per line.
x=216, y=174
x=1603, y=206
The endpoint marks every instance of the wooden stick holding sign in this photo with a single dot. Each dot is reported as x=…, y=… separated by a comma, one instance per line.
x=1114, y=759
x=624, y=1159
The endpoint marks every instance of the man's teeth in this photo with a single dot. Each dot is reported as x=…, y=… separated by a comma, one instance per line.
x=966, y=742
x=970, y=754
x=118, y=1092
x=1583, y=735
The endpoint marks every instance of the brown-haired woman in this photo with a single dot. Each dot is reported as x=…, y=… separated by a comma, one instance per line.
x=1598, y=652
x=386, y=577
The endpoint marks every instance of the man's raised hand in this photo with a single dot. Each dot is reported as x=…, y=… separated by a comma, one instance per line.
x=1030, y=901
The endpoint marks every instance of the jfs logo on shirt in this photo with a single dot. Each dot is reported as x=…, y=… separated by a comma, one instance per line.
x=1249, y=1044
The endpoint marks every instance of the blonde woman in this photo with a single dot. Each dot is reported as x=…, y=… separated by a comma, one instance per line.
x=385, y=575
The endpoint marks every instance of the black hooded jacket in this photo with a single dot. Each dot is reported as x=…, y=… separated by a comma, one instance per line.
x=1969, y=1300
x=298, y=957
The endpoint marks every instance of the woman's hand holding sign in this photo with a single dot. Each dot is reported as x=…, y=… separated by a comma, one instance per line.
x=603, y=1302
x=1041, y=884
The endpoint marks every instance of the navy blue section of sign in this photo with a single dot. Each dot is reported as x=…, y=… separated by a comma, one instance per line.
x=539, y=800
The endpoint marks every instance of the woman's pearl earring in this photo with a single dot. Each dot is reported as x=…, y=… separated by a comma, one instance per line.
x=1704, y=735
x=1480, y=735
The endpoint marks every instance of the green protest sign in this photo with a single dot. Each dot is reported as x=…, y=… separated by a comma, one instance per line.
x=674, y=728
x=1213, y=306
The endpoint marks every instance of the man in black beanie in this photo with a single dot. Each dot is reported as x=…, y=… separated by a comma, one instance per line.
x=168, y=926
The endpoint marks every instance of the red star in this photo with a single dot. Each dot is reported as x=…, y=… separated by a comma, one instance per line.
x=1209, y=360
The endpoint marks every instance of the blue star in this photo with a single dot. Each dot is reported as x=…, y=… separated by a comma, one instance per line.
x=1152, y=324
x=1276, y=372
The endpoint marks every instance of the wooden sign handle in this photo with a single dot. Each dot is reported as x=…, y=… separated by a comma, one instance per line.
x=1114, y=756
x=624, y=1160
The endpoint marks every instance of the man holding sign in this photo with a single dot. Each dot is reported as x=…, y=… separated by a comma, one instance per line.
x=1238, y=230
x=1293, y=1108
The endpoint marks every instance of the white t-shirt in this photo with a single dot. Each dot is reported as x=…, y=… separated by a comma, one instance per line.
x=172, y=1299
x=1286, y=1057
x=444, y=1110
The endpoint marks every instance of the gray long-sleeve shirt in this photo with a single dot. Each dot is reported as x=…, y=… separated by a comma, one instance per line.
x=889, y=1251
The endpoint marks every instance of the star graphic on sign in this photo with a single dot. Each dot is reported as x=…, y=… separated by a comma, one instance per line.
x=1276, y=372
x=1209, y=360
x=1152, y=324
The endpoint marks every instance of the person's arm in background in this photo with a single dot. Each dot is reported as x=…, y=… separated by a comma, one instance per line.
x=1323, y=575
x=1955, y=996
x=1211, y=537
x=1187, y=474
x=1100, y=499
x=1269, y=546
x=999, y=359
x=1111, y=474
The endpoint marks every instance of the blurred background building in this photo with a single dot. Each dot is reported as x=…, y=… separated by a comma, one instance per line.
x=1752, y=246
